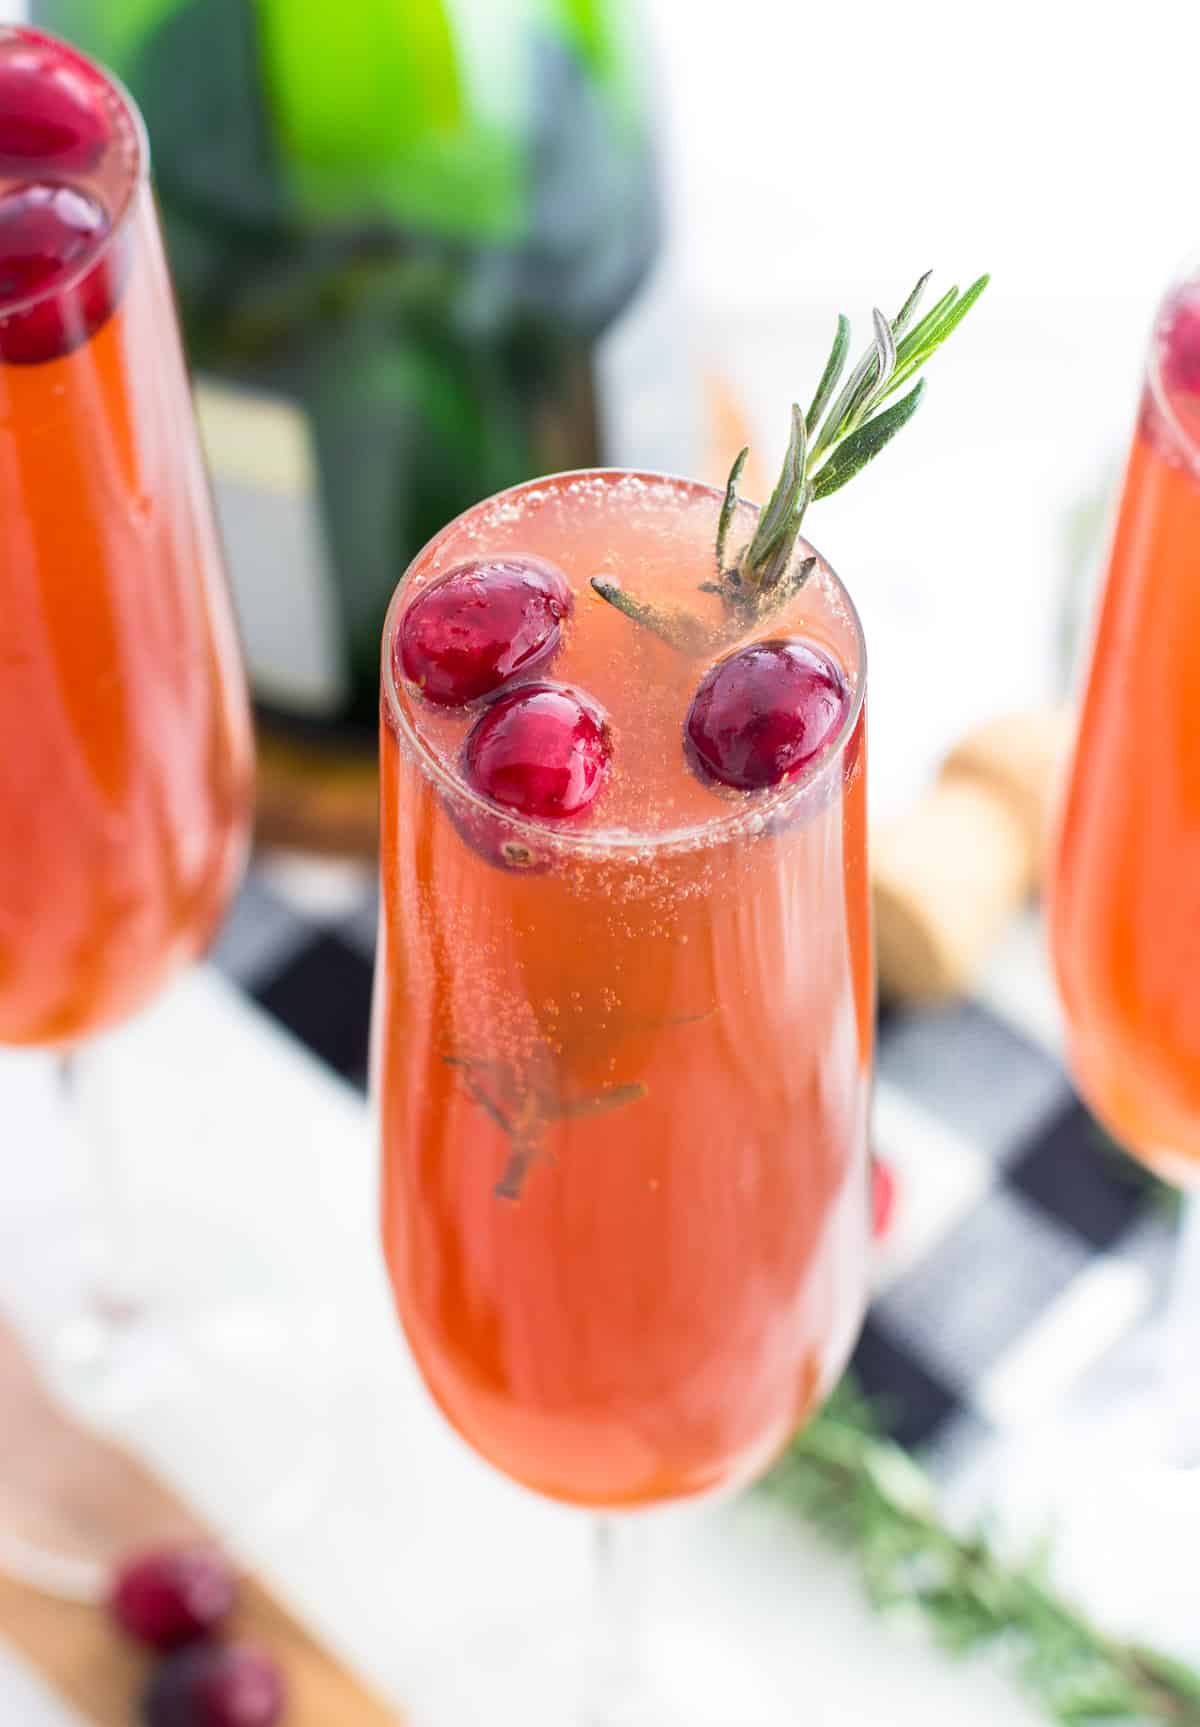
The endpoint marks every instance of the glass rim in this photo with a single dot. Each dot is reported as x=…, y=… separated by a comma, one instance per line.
x=746, y=819
x=122, y=215
x=1187, y=271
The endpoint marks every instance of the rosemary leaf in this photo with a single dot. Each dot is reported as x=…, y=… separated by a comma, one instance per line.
x=848, y=402
x=773, y=571
x=864, y=444
x=678, y=629
x=729, y=507
x=916, y=338
x=616, y=1097
x=904, y=316
x=791, y=579
x=958, y=311
x=885, y=352
x=785, y=506
x=947, y=321
x=834, y=367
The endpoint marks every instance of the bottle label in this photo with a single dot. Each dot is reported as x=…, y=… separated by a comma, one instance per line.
x=263, y=464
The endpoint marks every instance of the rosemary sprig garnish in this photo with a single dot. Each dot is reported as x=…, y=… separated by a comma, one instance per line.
x=678, y=629
x=868, y=1495
x=522, y=1105
x=841, y=433
x=729, y=507
x=843, y=430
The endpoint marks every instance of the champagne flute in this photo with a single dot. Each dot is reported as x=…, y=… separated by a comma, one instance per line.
x=1124, y=894
x=126, y=756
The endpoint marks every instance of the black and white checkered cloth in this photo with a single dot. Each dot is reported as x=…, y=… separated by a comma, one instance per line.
x=1026, y=1248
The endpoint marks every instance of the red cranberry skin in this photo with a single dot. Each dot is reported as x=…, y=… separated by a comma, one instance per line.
x=52, y=109
x=498, y=840
x=1179, y=342
x=47, y=232
x=173, y=1597
x=541, y=750
x=764, y=714
x=479, y=626
x=216, y=1685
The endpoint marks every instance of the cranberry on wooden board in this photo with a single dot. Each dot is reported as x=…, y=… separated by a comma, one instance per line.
x=216, y=1685
x=174, y=1596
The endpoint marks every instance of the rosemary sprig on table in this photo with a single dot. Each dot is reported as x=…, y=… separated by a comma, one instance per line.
x=868, y=1495
x=842, y=431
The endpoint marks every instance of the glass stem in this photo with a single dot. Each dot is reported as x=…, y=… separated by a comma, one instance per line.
x=112, y=1300
x=1180, y=1365
x=617, y=1662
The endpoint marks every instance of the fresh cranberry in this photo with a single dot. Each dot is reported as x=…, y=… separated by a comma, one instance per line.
x=173, y=1597
x=494, y=837
x=215, y=1685
x=47, y=232
x=764, y=713
x=52, y=108
x=541, y=750
x=883, y=1197
x=1179, y=336
x=479, y=625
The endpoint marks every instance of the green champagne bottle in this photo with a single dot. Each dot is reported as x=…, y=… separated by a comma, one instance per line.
x=398, y=230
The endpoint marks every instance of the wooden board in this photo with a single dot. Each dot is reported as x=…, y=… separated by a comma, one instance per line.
x=75, y=1650
x=102, y=1497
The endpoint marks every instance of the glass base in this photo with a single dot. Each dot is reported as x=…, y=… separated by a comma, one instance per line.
x=128, y=1433
x=542, y=1676
x=198, y=1395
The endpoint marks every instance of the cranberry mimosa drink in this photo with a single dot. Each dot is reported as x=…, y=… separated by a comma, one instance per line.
x=1125, y=898
x=1124, y=918
x=125, y=755
x=625, y=1064
x=125, y=742
x=625, y=996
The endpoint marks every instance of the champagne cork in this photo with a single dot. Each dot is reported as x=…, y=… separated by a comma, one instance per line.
x=950, y=873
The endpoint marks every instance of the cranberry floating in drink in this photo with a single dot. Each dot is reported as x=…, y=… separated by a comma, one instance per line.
x=1178, y=341
x=59, y=277
x=481, y=625
x=56, y=111
x=46, y=230
x=765, y=714
x=541, y=750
